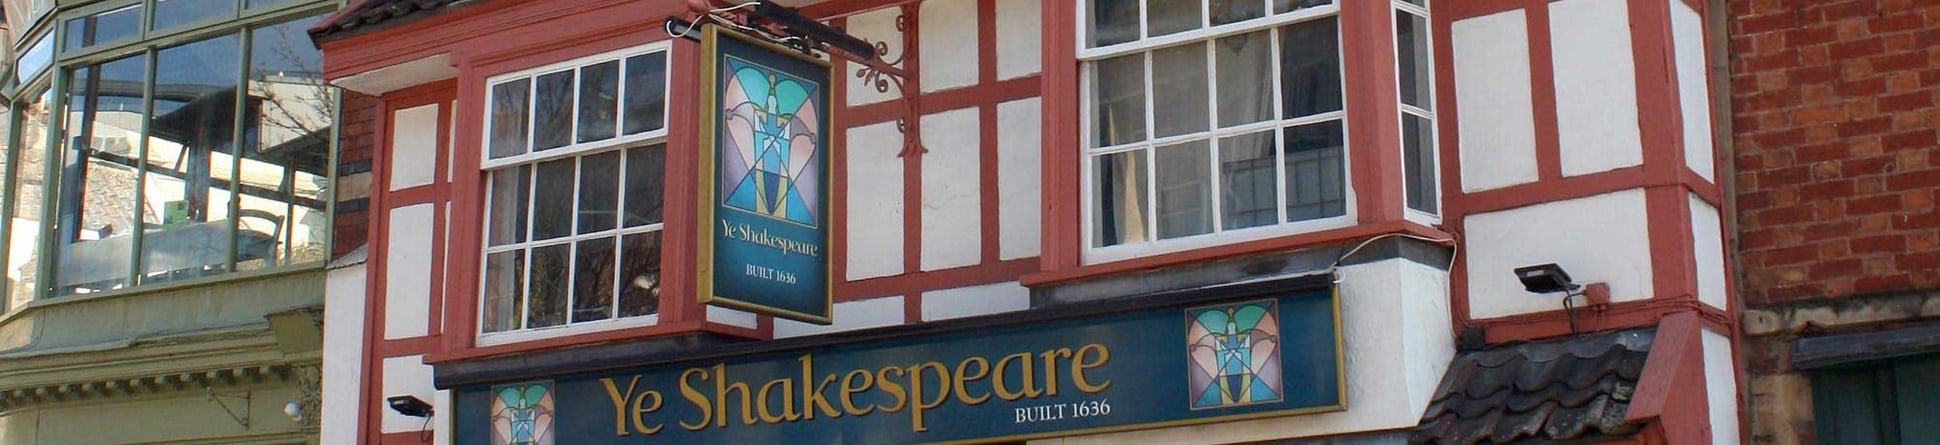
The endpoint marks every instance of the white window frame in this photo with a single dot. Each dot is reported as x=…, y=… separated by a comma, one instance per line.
x=619, y=143
x=1434, y=141
x=1219, y=236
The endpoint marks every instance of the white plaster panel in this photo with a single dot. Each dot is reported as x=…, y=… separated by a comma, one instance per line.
x=1721, y=388
x=1597, y=239
x=407, y=272
x=403, y=75
x=878, y=26
x=731, y=317
x=1497, y=118
x=975, y=300
x=402, y=376
x=1707, y=244
x=442, y=421
x=1019, y=178
x=343, y=349
x=1020, y=50
x=949, y=59
x=1596, y=86
x=1398, y=343
x=849, y=316
x=414, y=146
x=875, y=202
x=1693, y=87
x=952, y=191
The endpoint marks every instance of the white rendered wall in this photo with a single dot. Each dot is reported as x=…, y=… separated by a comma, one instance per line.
x=975, y=300
x=849, y=316
x=407, y=272
x=1596, y=85
x=952, y=201
x=949, y=60
x=1020, y=178
x=1693, y=88
x=1396, y=329
x=1721, y=388
x=1496, y=114
x=405, y=376
x=875, y=201
x=878, y=26
x=414, y=146
x=1707, y=246
x=732, y=317
x=1019, y=30
x=343, y=353
x=1597, y=239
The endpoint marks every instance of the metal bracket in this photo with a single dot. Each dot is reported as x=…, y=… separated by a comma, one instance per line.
x=246, y=399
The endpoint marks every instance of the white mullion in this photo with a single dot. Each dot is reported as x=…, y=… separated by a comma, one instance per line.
x=666, y=93
x=1144, y=8
x=619, y=114
x=1212, y=144
x=1241, y=27
x=619, y=210
x=1087, y=135
x=1151, y=153
x=525, y=295
x=572, y=122
x=572, y=239
x=1279, y=133
x=531, y=116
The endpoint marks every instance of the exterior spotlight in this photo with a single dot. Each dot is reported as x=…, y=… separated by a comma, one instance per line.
x=1545, y=279
x=409, y=406
x=294, y=410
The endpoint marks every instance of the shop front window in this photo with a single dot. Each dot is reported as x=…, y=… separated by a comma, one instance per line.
x=575, y=160
x=1211, y=120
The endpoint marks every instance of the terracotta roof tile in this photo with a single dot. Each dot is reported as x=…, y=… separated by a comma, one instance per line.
x=364, y=14
x=1538, y=391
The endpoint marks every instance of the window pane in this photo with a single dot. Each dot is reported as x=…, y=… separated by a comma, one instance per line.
x=504, y=280
x=1119, y=89
x=1185, y=189
x=599, y=89
x=1418, y=153
x=640, y=274
x=1314, y=172
x=35, y=58
x=1171, y=16
x=253, y=4
x=599, y=189
x=1179, y=90
x=1917, y=392
x=1247, y=191
x=552, y=212
x=1310, y=68
x=646, y=93
x=551, y=281
x=189, y=184
x=553, y=111
x=105, y=27
x=172, y=13
x=1113, y=21
x=1245, y=69
x=1411, y=52
x=593, y=280
x=1280, y=6
x=509, y=106
x=28, y=191
x=511, y=189
x=1118, y=187
x=97, y=199
x=1229, y=11
x=644, y=175
x=286, y=171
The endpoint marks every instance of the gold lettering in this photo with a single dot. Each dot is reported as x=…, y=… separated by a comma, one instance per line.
x=788, y=413
x=849, y=389
x=1080, y=364
x=812, y=397
x=695, y=397
x=998, y=380
x=916, y=392
x=893, y=388
x=619, y=403
x=721, y=390
x=963, y=393
x=640, y=410
x=1051, y=369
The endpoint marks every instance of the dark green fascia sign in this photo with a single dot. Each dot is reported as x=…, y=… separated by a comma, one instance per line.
x=1196, y=361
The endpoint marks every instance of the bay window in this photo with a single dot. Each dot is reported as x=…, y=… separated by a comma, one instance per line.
x=1416, y=81
x=1210, y=121
x=574, y=160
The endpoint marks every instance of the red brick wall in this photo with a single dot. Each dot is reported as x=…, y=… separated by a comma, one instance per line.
x=357, y=139
x=1837, y=166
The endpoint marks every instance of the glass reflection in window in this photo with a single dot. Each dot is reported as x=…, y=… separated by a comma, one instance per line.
x=173, y=13
x=29, y=187
x=286, y=152
x=188, y=187
x=105, y=27
x=98, y=171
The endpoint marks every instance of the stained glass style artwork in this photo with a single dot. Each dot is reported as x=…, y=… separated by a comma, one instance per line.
x=522, y=414
x=1234, y=351
x=770, y=156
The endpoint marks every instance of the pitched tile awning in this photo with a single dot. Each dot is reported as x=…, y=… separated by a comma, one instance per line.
x=1539, y=391
x=365, y=14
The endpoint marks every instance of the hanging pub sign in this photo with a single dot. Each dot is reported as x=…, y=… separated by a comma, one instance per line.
x=1174, y=362
x=764, y=178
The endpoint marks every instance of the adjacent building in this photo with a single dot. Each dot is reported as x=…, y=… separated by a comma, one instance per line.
x=1050, y=222
x=1834, y=121
x=168, y=194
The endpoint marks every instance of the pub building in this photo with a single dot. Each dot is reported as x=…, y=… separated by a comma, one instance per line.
x=1045, y=222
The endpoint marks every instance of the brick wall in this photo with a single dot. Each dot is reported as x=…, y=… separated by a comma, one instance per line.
x=357, y=139
x=1837, y=170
